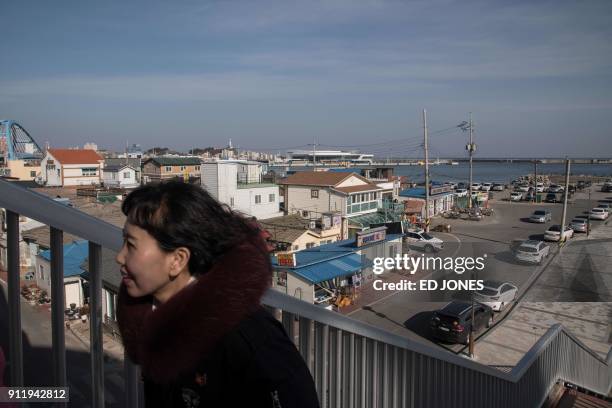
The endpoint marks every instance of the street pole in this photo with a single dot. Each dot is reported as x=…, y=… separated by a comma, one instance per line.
x=426, y=171
x=535, y=180
x=589, y=216
x=471, y=147
x=565, y=194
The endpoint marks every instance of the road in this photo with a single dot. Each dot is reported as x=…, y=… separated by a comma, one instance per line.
x=408, y=313
x=37, y=356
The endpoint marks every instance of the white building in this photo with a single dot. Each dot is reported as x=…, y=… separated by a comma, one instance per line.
x=71, y=167
x=120, y=176
x=240, y=185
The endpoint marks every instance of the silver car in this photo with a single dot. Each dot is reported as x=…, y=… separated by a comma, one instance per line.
x=579, y=225
x=541, y=216
x=496, y=295
x=531, y=251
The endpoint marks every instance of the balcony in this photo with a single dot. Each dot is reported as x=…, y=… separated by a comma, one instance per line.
x=353, y=364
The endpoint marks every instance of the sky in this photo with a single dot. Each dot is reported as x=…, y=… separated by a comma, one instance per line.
x=344, y=74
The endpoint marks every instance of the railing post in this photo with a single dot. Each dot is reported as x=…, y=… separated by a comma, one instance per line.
x=304, y=342
x=14, y=300
x=95, y=325
x=132, y=382
x=57, y=308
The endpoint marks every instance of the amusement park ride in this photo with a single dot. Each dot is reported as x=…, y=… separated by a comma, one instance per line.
x=17, y=144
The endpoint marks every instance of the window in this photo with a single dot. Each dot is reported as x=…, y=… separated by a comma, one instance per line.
x=41, y=274
x=271, y=198
x=197, y=168
x=182, y=168
x=257, y=199
x=32, y=174
x=296, y=247
x=231, y=201
x=314, y=193
x=168, y=168
x=89, y=171
x=126, y=175
x=310, y=245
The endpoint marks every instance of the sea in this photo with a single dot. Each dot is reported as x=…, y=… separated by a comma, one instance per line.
x=500, y=172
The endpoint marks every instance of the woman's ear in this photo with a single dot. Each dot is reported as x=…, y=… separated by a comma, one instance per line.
x=180, y=261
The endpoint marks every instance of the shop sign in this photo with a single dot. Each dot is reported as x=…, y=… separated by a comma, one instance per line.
x=370, y=236
x=285, y=259
x=440, y=189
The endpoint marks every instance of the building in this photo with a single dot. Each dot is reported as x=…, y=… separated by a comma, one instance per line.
x=71, y=167
x=135, y=163
x=358, y=200
x=120, y=176
x=323, y=275
x=441, y=199
x=328, y=157
x=133, y=152
x=243, y=186
x=291, y=233
x=157, y=169
x=21, y=169
x=75, y=254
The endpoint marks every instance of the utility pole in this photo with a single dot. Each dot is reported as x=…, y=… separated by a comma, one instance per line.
x=565, y=194
x=589, y=217
x=471, y=147
x=314, y=154
x=426, y=171
x=535, y=180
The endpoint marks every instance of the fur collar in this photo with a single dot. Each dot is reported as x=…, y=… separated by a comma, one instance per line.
x=173, y=339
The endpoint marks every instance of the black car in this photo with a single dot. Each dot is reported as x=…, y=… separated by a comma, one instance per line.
x=551, y=198
x=453, y=322
x=461, y=186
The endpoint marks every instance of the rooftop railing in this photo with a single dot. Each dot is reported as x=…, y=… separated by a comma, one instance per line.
x=353, y=364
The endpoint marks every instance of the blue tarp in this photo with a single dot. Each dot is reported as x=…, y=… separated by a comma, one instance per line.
x=323, y=271
x=75, y=254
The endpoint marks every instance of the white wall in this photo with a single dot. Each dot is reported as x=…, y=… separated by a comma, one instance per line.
x=245, y=202
x=299, y=288
x=219, y=179
x=51, y=177
x=299, y=198
x=117, y=179
x=73, y=175
x=352, y=181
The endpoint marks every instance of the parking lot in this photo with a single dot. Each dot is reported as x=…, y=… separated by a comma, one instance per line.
x=409, y=313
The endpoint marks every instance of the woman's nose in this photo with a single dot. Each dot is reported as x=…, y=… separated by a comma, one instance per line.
x=120, y=258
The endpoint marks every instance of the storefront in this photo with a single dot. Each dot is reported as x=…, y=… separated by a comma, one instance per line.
x=441, y=199
x=332, y=275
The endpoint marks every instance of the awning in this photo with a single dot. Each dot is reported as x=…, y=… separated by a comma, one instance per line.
x=335, y=268
x=365, y=220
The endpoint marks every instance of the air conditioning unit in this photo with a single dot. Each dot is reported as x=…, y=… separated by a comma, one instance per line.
x=313, y=225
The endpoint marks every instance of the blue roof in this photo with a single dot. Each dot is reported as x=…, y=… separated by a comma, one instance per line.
x=345, y=170
x=419, y=192
x=74, y=256
x=334, y=268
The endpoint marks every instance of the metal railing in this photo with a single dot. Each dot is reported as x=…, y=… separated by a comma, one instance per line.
x=353, y=364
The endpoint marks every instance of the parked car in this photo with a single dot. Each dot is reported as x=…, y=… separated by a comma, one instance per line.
x=554, y=233
x=540, y=187
x=531, y=251
x=498, y=187
x=606, y=188
x=475, y=186
x=579, y=225
x=541, y=216
x=461, y=192
x=605, y=206
x=453, y=322
x=462, y=185
x=554, y=188
x=522, y=187
x=598, y=214
x=516, y=196
x=422, y=240
x=496, y=295
x=551, y=198
x=486, y=186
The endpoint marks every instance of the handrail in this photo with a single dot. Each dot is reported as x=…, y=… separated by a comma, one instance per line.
x=60, y=216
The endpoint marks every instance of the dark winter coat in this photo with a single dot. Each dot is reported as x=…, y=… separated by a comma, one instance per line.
x=213, y=345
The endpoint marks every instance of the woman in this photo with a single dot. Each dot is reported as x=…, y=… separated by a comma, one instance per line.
x=189, y=307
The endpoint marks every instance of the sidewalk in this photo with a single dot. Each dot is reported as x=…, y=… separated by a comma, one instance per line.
x=575, y=290
x=111, y=345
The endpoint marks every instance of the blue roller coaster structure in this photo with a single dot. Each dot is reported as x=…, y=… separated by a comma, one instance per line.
x=16, y=143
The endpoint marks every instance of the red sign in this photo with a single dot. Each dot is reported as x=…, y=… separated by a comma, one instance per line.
x=285, y=259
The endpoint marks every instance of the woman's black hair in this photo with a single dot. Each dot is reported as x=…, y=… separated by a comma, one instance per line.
x=179, y=214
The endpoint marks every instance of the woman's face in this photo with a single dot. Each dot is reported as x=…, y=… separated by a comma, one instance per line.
x=145, y=268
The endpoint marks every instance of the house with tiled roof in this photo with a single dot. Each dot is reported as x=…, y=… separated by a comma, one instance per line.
x=156, y=169
x=349, y=194
x=71, y=167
